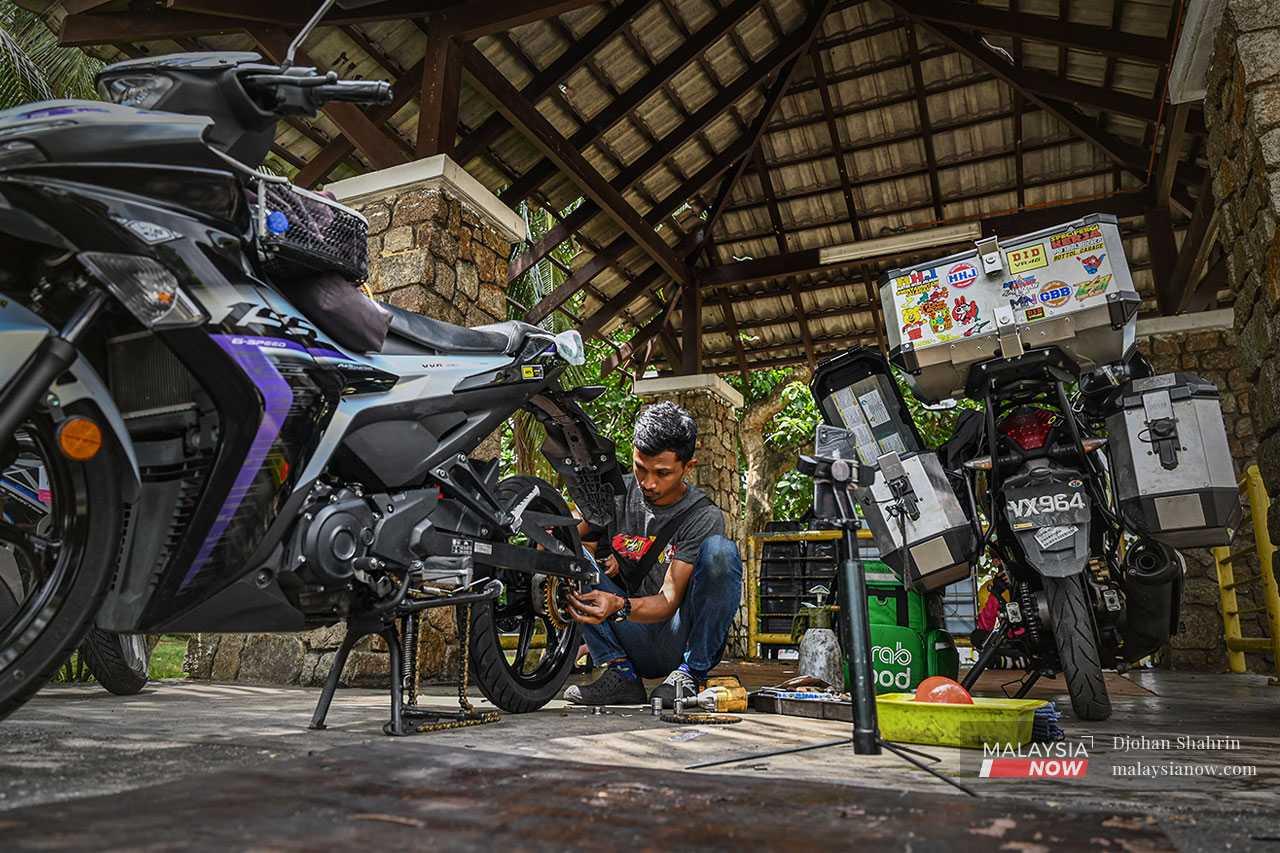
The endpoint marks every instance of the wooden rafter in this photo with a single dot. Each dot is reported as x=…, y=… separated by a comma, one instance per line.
x=441, y=84
x=550, y=77
x=569, y=160
x=780, y=236
x=1127, y=156
x=809, y=260
x=922, y=114
x=731, y=328
x=1062, y=32
x=837, y=147
x=746, y=144
x=1183, y=280
x=635, y=95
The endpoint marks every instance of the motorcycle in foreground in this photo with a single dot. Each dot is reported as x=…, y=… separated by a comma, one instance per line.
x=1076, y=479
x=216, y=460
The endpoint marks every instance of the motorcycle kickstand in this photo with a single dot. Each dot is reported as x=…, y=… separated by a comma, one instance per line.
x=990, y=649
x=1027, y=684
x=395, y=726
x=331, y=683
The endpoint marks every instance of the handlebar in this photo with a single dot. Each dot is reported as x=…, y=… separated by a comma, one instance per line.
x=303, y=91
x=354, y=91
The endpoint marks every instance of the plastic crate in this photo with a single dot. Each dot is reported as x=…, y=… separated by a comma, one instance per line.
x=781, y=586
x=772, y=624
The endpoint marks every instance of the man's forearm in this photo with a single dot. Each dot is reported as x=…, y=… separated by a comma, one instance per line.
x=652, y=608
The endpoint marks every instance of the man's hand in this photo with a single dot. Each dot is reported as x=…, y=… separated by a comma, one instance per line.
x=611, y=567
x=594, y=607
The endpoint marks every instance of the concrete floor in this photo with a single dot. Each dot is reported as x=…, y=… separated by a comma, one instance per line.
x=74, y=742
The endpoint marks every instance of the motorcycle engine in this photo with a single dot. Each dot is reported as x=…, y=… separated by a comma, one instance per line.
x=335, y=531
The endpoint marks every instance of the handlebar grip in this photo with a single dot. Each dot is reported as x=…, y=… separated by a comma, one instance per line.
x=354, y=91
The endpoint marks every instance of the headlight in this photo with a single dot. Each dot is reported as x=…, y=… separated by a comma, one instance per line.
x=148, y=290
x=141, y=91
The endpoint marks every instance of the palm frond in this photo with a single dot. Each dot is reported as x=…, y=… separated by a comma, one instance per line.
x=34, y=67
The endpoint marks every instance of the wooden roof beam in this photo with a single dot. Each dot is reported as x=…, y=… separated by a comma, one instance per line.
x=742, y=149
x=780, y=235
x=441, y=85
x=988, y=19
x=569, y=160
x=550, y=77
x=635, y=95
x=842, y=167
x=809, y=260
x=926, y=129
x=1127, y=156
x=1181, y=286
x=155, y=25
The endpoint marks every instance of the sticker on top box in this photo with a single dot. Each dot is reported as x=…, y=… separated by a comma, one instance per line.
x=1026, y=258
x=1077, y=241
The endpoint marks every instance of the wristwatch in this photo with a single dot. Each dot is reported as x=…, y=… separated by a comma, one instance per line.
x=623, y=612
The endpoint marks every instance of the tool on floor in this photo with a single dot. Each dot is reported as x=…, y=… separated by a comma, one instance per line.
x=836, y=471
x=709, y=707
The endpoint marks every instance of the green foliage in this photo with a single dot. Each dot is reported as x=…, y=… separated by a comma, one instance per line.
x=33, y=67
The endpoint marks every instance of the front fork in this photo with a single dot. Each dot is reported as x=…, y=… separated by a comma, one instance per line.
x=53, y=357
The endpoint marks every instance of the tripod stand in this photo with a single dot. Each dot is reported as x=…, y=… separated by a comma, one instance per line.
x=833, y=480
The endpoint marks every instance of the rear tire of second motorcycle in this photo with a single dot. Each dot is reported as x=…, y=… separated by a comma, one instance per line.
x=1076, y=640
x=110, y=662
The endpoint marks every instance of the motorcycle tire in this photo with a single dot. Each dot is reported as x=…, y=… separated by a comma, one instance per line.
x=119, y=662
x=1077, y=644
x=504, y=682
x=85, y=521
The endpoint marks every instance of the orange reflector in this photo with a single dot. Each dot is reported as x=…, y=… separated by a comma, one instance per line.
x=79, y=439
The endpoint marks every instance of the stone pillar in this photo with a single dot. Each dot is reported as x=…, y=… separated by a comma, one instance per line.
x=714, y=405
x=438, y=245
x=1207, y=346
x=1242, y=111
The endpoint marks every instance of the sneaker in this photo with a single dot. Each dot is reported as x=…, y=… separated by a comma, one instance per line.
x=677, y=680
x=611, y=688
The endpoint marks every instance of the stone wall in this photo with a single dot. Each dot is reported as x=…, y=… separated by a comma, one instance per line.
x=1214, y=355
x=432, y=252
x=1242, y=111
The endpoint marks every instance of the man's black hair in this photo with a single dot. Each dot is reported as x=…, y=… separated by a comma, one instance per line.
x=666, y=426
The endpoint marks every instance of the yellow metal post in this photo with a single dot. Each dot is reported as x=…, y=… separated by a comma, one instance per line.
x=1238, y=644
x=1259, y=505
x=1230, y=609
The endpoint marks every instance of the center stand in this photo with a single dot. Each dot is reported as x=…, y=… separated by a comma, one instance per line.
x=833, y=481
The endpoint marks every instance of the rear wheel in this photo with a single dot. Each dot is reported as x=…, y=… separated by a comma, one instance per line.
x=59, y=535
x=1077, y=643
x=530, y=615
x=119, y=662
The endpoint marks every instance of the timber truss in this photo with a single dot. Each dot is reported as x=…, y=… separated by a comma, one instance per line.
x=697, y=156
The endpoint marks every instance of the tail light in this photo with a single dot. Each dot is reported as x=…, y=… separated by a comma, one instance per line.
x=1029, y=428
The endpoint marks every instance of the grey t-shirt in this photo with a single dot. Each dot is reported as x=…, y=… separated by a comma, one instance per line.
x=638, y=518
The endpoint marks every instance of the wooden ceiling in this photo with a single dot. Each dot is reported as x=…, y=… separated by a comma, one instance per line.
x=719, y=145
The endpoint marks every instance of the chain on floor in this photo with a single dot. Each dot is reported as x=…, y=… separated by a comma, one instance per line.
x=470, y=716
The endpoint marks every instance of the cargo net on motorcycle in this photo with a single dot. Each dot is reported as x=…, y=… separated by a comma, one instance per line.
x=300, y=233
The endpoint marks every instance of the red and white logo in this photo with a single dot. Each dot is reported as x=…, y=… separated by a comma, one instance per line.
x=1058, y=760
x=961, y=275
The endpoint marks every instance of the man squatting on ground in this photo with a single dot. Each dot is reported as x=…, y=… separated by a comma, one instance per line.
x=673, y=621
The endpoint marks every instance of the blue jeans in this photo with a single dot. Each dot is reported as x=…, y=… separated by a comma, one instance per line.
x=694, y=635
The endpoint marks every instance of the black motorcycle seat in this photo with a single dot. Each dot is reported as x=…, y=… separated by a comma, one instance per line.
x=506, y=338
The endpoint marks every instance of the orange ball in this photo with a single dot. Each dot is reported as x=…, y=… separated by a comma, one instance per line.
x=939, y=688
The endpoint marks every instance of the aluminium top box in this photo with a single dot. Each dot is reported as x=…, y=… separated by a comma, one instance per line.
x=1067, y=286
